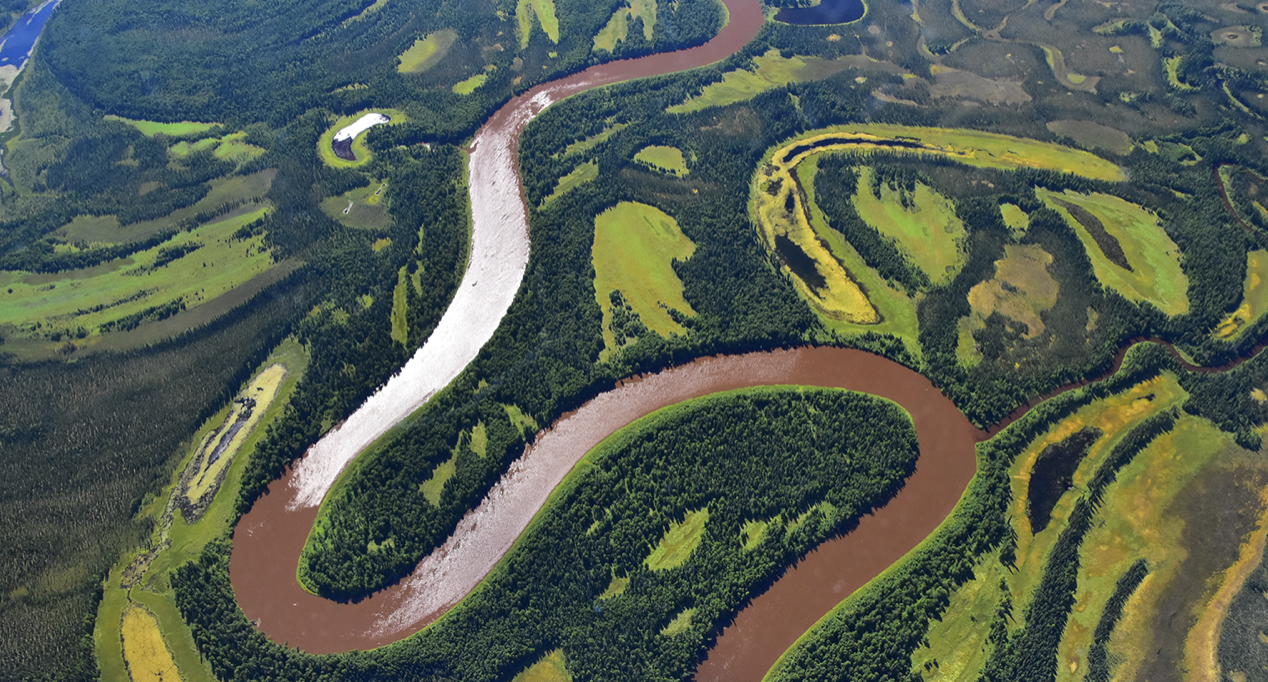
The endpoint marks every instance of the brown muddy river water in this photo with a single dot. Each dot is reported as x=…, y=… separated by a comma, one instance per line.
x=268, y=540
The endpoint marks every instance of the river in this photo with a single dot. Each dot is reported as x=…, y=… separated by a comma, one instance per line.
x=268, y=540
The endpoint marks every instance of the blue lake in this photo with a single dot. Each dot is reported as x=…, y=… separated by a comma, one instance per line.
x=827, y=12
x=16, y=45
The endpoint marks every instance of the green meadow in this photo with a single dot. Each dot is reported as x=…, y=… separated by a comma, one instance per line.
x=664, y=159
x=618, y=26
x=364, y=208
x=679, y=541
x=213, y=263
x=470, y=85
x=551, y=668
x=152, y=128
x=545, y=12
x=927, y=232
x=634, y=248
x=1156, y=275
x=426, y=52
x=583, y=173
x=594, y=140
x=771, y=70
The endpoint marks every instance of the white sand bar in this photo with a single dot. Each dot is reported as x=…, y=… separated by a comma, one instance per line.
x=360, y=126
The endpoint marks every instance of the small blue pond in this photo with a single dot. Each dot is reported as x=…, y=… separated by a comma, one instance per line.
x=826, y=12
x=16, y=45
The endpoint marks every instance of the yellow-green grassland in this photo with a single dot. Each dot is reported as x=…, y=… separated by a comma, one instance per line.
x=426, y=52
x=359, y=150
x=551, y=668
x=663, y=159
x=771, y=70
x=635, y=246
x=152, y=128
x=142, y=577
x=679, y=541
x=583, y=173
x=1154, y=275
x=926, y=231
x=190, y=269
x=1254, y=298
x=470, y=85
x=544, y=11
x=618, y=26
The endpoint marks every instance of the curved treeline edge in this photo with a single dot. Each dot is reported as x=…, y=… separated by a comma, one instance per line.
x=1098, y=666
x=839, y=455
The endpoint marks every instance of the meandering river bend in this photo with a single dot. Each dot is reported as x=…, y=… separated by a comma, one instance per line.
x=268, y=540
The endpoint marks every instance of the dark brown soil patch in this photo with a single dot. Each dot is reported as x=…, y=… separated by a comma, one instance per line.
x=1053, y=474
x=1107, y=242
x=1219, y=507
x=343, y=149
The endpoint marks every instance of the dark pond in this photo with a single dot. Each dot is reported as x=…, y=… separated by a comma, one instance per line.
x=827, y=12
x=16, y=45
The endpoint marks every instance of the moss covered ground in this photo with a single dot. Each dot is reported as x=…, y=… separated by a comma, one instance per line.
x=927, y=230
x=1254, y=298
x=634, y=248
x=426, y=51
x=1156, y=275
x=770, y=70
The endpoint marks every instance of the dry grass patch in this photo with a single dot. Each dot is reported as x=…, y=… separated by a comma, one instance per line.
x=146, y=655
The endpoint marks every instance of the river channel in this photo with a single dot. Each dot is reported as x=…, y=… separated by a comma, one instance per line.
x=268, y=540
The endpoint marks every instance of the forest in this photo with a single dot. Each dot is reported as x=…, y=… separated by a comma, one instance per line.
x=90, y=433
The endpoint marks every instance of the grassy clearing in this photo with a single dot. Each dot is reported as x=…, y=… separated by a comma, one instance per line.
x=1156, y=275
x=426, y=52
x=618, y=26
x=1016, y=219
x=771, y=71
x=634, y=249
x=147, y=656
x=583, y=173
x=93, y=297
x=1254, y=298
x=957, y=645
x=1021, y=289
x=106, y=229
x=520, y=420
x=187, y=541
x=551, y=668
x=593, y=140
x=818, y=275
x=615, y=588
x=185, y=148
x=400, y=327
x=364, y=208
x=663, y=159
x=152, y=128
x=263, y=389
x=680, y=623
x=359, y=150
x=928, y=232
x=236, y=148
x=679, y=541
x=753, y=533
x=435, y=485
x=970, y=147
x=895, y=309
x=545, y=11
x=470, y=85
